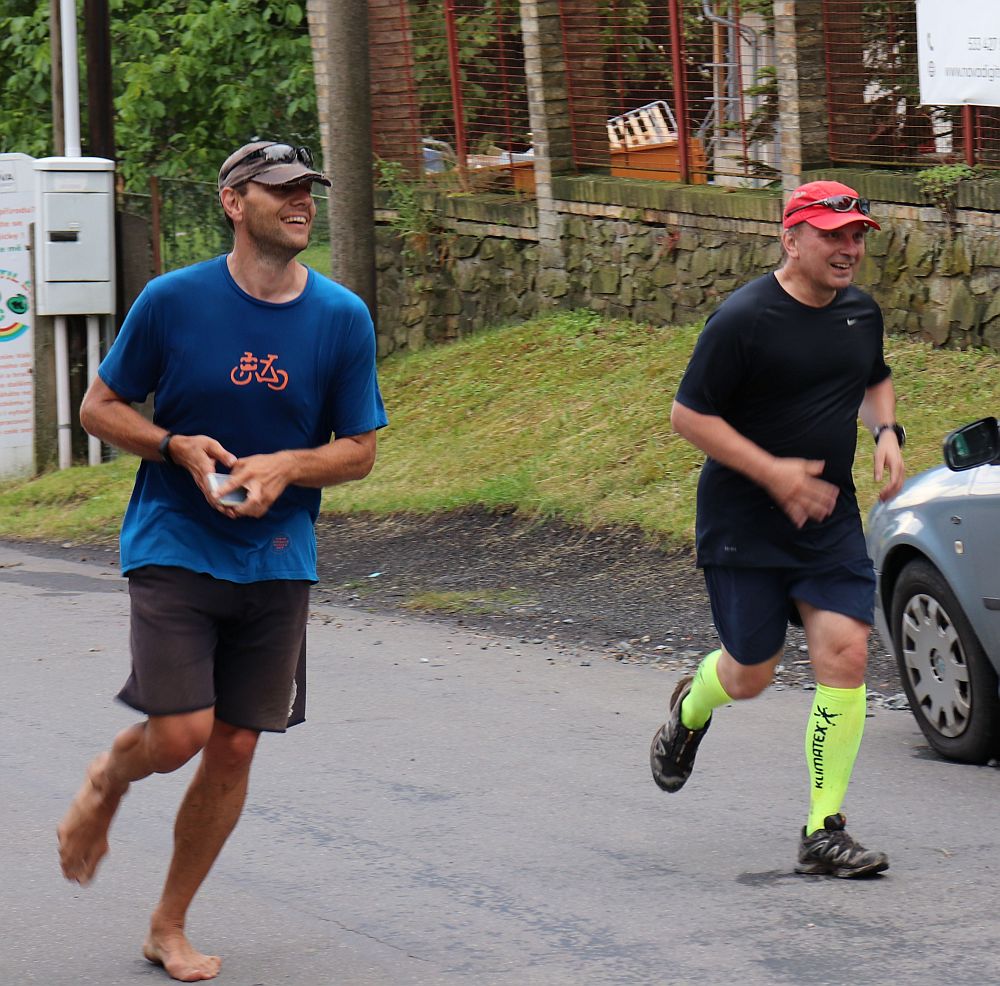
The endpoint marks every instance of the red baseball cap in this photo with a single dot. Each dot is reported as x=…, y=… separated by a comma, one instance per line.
x=826, y=205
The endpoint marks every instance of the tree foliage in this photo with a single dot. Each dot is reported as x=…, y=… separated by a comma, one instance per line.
x=24, y=52
x=192, y=79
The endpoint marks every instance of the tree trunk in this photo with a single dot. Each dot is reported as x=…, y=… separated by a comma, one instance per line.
x=349, y=156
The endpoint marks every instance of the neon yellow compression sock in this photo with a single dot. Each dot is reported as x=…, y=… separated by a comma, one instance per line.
x=833, y=737
x=706, y=693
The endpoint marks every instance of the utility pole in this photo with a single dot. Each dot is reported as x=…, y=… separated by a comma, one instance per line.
x=352, y=197
x=101, y=124
x=55, y=47
x=100, y=109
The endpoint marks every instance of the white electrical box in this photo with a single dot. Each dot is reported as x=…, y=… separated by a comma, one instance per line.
x=75, y=236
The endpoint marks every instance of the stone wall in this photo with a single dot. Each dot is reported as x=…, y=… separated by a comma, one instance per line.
x=937, y=277
x=658, y=252
x=664, y=253
x=652, y=251
x=467, y=274
x=658, y=262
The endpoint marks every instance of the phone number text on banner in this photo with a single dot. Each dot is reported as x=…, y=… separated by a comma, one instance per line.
x=958, y=52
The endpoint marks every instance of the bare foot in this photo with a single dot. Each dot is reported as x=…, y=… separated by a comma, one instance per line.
x=83, y=832
x=171, y=949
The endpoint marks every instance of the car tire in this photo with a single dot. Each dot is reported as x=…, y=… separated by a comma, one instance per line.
x=949, y=681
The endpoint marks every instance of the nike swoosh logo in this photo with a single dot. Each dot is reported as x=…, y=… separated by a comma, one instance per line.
x=851, y=321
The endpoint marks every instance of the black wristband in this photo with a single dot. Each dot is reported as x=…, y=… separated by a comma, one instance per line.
x=164, y=448
x=897, y=428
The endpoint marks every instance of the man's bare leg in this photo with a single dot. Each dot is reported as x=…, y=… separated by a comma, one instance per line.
x=159, y=745
x=206, y=817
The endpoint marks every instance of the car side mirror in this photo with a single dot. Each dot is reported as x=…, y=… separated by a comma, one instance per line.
x=972, y=445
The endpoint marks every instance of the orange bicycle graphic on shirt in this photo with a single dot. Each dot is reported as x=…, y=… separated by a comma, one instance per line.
x=261, y=369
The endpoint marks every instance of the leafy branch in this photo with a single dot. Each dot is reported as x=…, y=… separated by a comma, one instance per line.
x=415, y=223
x=940, y=185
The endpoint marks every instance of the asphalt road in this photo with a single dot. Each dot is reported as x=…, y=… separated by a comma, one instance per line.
x=466, y=809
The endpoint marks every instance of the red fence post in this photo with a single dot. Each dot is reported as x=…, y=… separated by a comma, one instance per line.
x=969, y=134
x=455, y=70
x=680, y=88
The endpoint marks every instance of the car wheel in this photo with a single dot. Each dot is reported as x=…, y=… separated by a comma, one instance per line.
x=950, y=683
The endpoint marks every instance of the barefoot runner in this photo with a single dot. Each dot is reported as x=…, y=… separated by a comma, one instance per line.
x=264, y=370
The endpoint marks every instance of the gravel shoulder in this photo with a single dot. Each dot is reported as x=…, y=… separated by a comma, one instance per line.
x=606, y=592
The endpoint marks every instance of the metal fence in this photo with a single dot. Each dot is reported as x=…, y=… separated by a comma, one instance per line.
x=873, y=91
x=674, y=90
x=449, y=97
x=678, y=89
x=186, y=222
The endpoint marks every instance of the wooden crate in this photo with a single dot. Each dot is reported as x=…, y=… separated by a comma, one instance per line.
x=490, y=168
x=659, y=162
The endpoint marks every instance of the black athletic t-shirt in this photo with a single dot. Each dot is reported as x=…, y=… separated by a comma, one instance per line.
x=790, y=378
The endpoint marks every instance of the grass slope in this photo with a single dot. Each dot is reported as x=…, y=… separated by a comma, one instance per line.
x=566, y=415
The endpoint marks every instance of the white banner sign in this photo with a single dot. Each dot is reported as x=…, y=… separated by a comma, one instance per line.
x=17, y=355
x=958, y=52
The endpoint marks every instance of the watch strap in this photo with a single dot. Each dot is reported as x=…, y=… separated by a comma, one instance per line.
x=164, y=448
x=898, y=429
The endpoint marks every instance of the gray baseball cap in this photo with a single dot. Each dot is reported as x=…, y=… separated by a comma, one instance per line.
x=270, y=163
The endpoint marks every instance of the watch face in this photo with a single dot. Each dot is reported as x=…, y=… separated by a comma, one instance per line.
x=899, y=431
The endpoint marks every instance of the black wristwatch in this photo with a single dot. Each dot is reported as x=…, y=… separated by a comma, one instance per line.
x=164, y=448
x=897, y=428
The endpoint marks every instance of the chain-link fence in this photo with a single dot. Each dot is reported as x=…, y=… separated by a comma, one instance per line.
x=186, y=223
x=449, y=94
x=192, y=225
x=673, y=90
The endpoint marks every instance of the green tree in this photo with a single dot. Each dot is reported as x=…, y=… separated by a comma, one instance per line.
x=27, y=67
x=191, y=80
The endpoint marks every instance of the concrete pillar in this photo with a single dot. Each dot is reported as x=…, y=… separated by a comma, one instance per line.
x=798, y=31
x=548, y=110
x=395, y=107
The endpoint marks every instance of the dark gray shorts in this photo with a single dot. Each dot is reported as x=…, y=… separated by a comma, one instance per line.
x=199, y=642
x=752, y=607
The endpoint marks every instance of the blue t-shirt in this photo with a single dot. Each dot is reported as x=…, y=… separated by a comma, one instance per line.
x=256, y=376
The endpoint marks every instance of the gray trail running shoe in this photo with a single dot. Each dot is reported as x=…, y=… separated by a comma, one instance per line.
x=831, y=851
x=671, y=757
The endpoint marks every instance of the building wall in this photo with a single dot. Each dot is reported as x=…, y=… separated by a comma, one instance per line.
x=671, y=263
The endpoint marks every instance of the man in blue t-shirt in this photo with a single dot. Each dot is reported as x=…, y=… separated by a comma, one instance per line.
x=772, y=396
x=265, y=392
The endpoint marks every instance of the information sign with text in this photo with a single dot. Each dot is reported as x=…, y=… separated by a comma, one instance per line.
x=17, y=358
x=958, y=52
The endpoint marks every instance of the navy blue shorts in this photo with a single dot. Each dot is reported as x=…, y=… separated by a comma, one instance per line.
x=753, y=606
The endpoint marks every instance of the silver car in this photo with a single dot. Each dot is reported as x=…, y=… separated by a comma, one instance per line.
x=936, y=549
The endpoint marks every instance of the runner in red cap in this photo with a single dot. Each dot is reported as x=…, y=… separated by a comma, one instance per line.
x=772, y=396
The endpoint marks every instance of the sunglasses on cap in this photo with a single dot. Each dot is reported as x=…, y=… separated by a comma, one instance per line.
x=839, y=203
x=275, y=154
